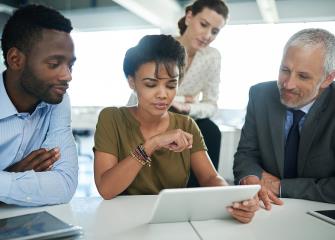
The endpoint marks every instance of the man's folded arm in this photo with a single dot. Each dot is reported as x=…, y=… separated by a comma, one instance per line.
x=32, y=188
x=56, y=186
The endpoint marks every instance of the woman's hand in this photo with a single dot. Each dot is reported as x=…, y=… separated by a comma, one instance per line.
x=189, y=99
x=244, y=211
x=178, y=107
x=175, y=140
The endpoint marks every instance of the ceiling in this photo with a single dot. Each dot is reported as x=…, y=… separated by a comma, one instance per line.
x=165, y=13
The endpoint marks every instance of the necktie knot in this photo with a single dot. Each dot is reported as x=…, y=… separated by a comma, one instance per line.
x=297, y=115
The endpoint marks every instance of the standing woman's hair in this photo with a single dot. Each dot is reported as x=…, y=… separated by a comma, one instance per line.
x=218, y=6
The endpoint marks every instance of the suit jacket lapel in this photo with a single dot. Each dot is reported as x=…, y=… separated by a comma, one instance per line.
x=310, y=127
x=277, y=116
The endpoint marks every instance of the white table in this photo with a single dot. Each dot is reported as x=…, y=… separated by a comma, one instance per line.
x=287, y=222
x=126, y=217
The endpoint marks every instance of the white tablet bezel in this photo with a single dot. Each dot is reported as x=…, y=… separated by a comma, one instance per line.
x=197, y=204
x=66, y=231
x=321, y=216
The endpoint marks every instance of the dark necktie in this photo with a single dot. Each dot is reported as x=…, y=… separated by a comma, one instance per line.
x=292, y=146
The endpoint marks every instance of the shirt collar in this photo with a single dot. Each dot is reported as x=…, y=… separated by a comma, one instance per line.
x=307, y=107
x=7, y=107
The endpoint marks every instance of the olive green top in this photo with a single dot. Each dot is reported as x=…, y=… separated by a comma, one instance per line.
x=118, y=133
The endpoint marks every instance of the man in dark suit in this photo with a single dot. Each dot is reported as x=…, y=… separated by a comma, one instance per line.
x=288, y=140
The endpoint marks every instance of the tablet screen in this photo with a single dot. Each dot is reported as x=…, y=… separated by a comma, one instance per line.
x=328, y=213
x=30, y=225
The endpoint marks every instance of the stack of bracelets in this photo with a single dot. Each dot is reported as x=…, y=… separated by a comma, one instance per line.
x=141, y=156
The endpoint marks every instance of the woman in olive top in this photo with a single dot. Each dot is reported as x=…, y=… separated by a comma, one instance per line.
x=143, y=149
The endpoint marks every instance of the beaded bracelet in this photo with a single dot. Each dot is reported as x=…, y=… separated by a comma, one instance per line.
x=141, y=156
x=138, y=159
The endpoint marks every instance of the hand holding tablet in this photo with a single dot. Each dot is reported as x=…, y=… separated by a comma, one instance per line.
x=196, y=204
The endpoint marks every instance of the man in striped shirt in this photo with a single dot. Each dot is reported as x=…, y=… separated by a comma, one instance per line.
x=38, y=159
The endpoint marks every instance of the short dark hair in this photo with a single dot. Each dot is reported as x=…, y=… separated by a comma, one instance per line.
x=161, y=49
x=218, y=6
x=25, y=27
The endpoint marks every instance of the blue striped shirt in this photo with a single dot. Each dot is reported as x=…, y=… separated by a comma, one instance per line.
x=20, y=134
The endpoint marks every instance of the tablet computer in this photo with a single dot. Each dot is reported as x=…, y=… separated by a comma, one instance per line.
x=196, y=204
x=40, y=225
x=326, y=215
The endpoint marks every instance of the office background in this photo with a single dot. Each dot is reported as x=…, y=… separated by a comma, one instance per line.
x=251, y=47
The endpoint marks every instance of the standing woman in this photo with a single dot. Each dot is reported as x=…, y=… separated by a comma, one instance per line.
x=198, y=92
x=143, y=149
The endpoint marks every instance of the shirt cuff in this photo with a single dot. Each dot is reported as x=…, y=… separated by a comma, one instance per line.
x=5, y=183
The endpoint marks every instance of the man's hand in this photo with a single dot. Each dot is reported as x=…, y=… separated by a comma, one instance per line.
x=39, y=160
x=271, y=182
x=266, y=194
x=244, y=211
